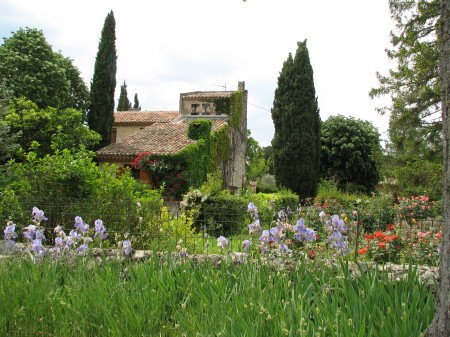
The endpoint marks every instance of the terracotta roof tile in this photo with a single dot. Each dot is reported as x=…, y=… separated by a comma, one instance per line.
x=144, y=117
x=159, y=138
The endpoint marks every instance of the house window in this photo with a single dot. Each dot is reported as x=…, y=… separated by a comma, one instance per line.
x=113, y=135
x=206, y=109
x=195, y=109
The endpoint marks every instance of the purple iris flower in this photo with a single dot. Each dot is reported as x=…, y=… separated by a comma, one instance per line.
x=80, y=225
x=100, y=230
x=38, y=215
x=126, y=247
x=10, y=231
x=83, y=249
x=29, y=234
x=222, y=242
x=246, y=244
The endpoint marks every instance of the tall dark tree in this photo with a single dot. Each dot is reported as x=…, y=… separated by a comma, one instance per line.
x=136, y=103
x=29, y=67
x=295, y=113
x=124, y=103
x=101, y=112
x=440, y=327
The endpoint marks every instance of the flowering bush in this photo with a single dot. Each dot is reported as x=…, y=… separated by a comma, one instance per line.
x=382, y=247
x=164, y=170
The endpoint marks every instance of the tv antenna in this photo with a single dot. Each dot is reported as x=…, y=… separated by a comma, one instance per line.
x=222, y=86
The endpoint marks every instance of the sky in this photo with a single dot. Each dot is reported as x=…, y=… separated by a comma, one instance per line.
x=167, y=47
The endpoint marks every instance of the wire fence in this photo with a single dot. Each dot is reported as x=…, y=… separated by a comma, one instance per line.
x=382, y=235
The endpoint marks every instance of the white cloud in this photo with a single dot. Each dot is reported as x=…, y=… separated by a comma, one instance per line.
x=168, y=47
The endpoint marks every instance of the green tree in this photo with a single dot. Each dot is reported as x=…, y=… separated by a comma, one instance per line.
x=414, y=86
x=30, y=68
x=268, y=155
x=8, y=139
x=101, y=112
x=136, y=105
x=350, y=150
x=124, y=103
x=440, y=327
x=52, y=129
x=256, y=165
x=295, y=113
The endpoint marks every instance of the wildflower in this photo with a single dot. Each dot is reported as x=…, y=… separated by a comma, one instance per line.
x=303, y=233
x=222, y=242
x=10, y=231
x=246, y=245
x=100, y=229
x=312, y=254
x=241, y=257
x=362, y=251
x=283, y=248
x=126, y=247
x=29, y=234
x=38, y=215
x=82, y=250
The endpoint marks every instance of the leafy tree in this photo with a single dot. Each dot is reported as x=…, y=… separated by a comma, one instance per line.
x=414, y=86
x=268, y=155
x=8, y=140
x=52, y=129
x=440, y=326
x=350, y=149
x=101, y=112
x=124, y=103
x=136, y=105
x=32, y=69
x=295, y=113
x=256, y=165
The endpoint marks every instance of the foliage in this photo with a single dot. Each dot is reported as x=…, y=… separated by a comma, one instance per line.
x=176, y=298
x=255, y=164
x=414, y=89
x=124, y=103
x=166, y=171
x=268, y=155
x=136, y=105
x=68, y=183
x=52, y=129
x=30, y=68
x=350, y=151
x=8, y=139
x=295, y=113
x=218, y=214
x=101, y=112
x=199, y=128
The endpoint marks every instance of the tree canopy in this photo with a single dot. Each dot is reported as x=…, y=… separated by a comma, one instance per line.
x=414, y=86
x=295, y=114
x=50, y=128
x=30, y=68
x=350, y=149
x=101, y=112
x=256, y=164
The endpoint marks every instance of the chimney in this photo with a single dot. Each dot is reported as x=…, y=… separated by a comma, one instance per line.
x=241, y=85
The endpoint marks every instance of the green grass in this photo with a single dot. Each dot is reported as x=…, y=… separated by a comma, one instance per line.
x=123, y=298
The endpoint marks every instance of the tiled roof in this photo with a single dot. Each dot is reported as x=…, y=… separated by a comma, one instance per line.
x=159, y=138
x=206, y=95
x=144, y=117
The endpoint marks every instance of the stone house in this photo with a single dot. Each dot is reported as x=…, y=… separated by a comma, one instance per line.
x=166, y=132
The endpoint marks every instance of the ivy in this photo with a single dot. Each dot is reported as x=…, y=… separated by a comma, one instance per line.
x=199, y=128
x=237, y=108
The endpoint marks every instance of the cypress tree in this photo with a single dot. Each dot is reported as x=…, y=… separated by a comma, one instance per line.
x=101, y=112
x=136, y=103
x=295, y=113
x=124, y=103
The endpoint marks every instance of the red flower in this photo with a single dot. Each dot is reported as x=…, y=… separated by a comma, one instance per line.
x=312, y=254
x=390, y=227
x=394, y=237
x=382, y=245
x=362, y=251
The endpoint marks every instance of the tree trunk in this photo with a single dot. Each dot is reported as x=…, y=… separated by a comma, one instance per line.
x=441, y=322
